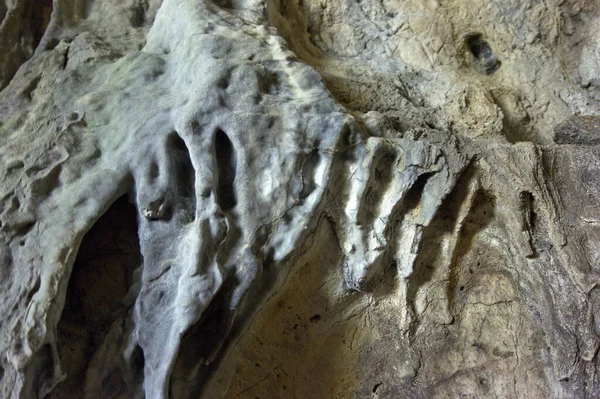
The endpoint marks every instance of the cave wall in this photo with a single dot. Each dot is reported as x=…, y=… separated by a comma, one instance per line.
x=306, y=198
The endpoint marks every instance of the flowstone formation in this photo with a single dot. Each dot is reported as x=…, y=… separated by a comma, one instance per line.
x=328, y=199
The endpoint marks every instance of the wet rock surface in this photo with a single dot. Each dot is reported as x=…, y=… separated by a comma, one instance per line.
x=263, y=199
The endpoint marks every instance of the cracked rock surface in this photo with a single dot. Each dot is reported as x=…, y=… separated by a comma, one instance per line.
x=304, y=198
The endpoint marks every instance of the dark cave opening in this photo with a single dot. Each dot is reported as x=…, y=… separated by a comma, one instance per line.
x=38, y=16
x=185, y=175
x=202, y=346
x=102, y=275
x=226, y=160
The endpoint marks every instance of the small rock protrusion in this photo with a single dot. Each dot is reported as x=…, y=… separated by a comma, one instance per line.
x=155, y=209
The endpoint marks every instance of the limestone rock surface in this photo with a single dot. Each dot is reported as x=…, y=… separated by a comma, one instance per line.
x=303, y=198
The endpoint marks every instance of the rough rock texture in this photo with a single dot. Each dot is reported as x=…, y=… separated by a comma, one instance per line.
x=304, y=198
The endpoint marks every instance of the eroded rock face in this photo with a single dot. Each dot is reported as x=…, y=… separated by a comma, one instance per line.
x=309, y=199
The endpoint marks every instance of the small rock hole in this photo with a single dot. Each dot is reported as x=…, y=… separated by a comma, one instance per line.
x=226, y=160
x=51, y=44
x=13, y=165
x=154, y=171
x=309, y=171
x=195, y=127
x=185, y=174
x=487, y=62
x=376, y=387
x=34, y=289
x=138, y=14
x=527, y=208
x=138, y=362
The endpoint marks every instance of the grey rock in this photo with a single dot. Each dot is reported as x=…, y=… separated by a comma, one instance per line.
x=247, y=199
x=578, y=130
